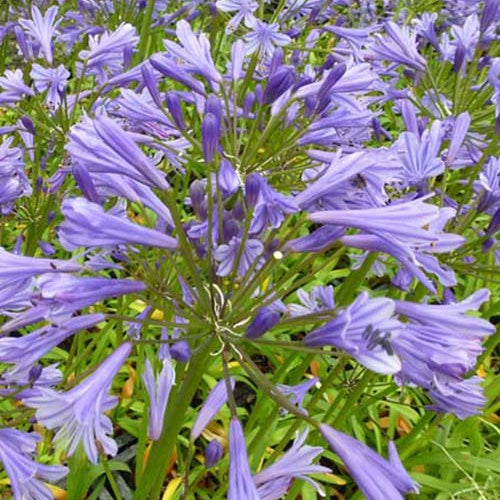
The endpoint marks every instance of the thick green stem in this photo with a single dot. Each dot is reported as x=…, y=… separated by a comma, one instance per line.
x=152, y=479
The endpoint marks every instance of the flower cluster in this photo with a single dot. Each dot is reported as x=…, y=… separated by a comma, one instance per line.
x=242, y=196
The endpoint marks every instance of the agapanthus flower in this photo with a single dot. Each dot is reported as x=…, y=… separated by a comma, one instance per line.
x=398, y=45
x=244, y=11
x=102, y=146
x=52, y=80
x=106, y=51
x=14, y=88
x=226, y=255
x=158, y=389
x=13, y=180
x=26, y=350
x=403, y=221
x=378, y=478
x=213, y=403
x=86, y=224
x=42, y=28
x=241, y=484
x=463, y=398
x=194, y=52
x=61, y=294
x=364, y=330
x=26, y=476
x=297, y=393
x=15, y=267
x=265, y=37
x=320, y=298
x=78, y=414
x=274, y=481
x=420, y=155
x=213, y=453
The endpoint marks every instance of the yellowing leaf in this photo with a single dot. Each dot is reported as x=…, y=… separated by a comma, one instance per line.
x=157, y=315
x=172, y=487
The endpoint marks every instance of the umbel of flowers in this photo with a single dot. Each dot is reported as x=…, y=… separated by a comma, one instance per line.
x=197, y=174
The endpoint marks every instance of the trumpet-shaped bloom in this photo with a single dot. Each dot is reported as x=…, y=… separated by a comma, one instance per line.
x=244, y=11
x=52, y=80
x=274, y=481
x=65, y=293
x=241, y=484
x=106, y=51
x=88, y=225
x=42, y=28
x=463, y=398
x=227, y=254
x=158, y=389
x=377, y=478
x=399, y=46
x=194, y=52
x=13, y=180
x=26, y=350
x=364, y=330
x=17, y=450
x=404, y=221
x=101, y=146
x=78, y=414
x=265, y=37
x=213, y=403
x=14, y=87
x=17, y=267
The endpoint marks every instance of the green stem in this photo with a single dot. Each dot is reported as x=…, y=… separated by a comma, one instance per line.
x=151, y=481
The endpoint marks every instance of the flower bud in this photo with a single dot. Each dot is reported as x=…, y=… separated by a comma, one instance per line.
x=213, y=453
x=210, y=132
x=266, y=318
x=180, y=351
x=278, y=83
x=174, y=107
x=252, y=189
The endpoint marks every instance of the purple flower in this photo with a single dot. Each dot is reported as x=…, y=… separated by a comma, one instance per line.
x=210, y=133
x=65, y=293
x=194, y=52
x=271, y=207
x=158, y=389
x=78, y=414
x=213, y=403
x=26, y=350
x=450, y=317
x=17, y=267
x=463, y=398
x=227, y=254
x=42, y=28
x=398, y=46
x=264, y=37
x=364, y=330
x=26, y=476
x=86, y=224
x=54, y=80
x=274, y=481
x=265, y=319
x=401, y=221
x=12, y=82
x=241, y=484
x=180, y=351
x=419, y=155
x=378, y=478
x=228, y=179
x=213, y=453
x=279, y=82
x=320, y=298
x=13, y=180
x=459, y=131
x=297, y=393
x=102, y=146
x=244, y=11
x=107, y=51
